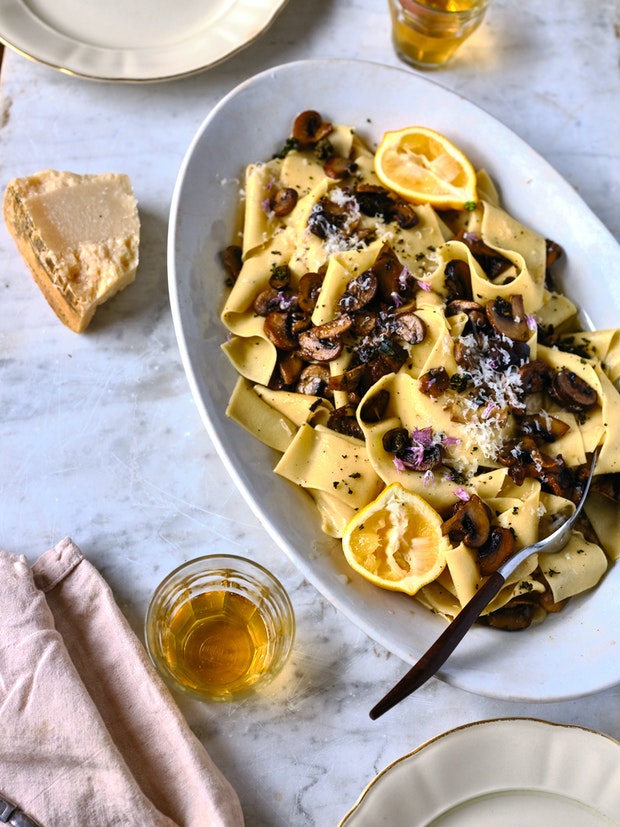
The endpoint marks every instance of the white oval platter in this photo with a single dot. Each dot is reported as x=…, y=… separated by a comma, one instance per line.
x=571, y=654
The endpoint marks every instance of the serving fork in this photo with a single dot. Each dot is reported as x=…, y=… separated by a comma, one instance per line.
x=452, y=635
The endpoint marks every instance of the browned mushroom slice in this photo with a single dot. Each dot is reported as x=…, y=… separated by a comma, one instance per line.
x=524, y=459
x=343, y=421
x=280, y=276
x=364, y=322
x=338, y=167
x=572, y=392
x=546, y=601
x=396, y=440
x=497, y=549
x=313, y=380
x=373, y=200
x=475, y=312
x=359, y=292
x=389, y=272
x=290, y=366
x=457, y=280
x=284, y=201
x=492, y=262
x=385, y=363
x=434, y=382
x=232, y=261
x=409, y=326
x=319, y=349
x=470, y=523
x=535, y=376
x=327, y=218
x=403, y=214
x=349, y=380
x=554, y=252
x=281, y=328
x=335, y=327
x=514, y=617
x=267, y=301
x=542, y=425
x=309, y=128
x=608, y=485
x=308, y=291
x=374, y=407
x=508, y=318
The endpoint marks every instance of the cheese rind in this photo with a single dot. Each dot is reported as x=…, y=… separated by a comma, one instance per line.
x=79, y=235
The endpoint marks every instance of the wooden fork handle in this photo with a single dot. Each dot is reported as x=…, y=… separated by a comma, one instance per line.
x=442, y=648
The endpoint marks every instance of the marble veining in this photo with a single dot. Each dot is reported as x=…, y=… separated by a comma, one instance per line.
x=100, y=439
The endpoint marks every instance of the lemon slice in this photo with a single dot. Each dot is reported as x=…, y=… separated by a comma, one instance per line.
x=423, y=166
x=396, y=541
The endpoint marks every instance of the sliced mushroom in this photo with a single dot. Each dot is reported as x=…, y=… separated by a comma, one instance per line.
x=535, y=376
x=524, y=459
x=327, y=218
x=364, y=322
x=349, y=380
x=457, y=280
x=499, y=546
x=277, y=328
x=309, y=128
x=470, y=523
x=280, y=277
x=232, y=261
x=508, y=317
x=434, y=382
x=542, y=425
x=513, y=617
x=267, y=301
x=608, y=485
x=313, y=380
x=343, y=421
x=403, y=214
x=547, y=602
x=317, y=349
x=492, y=262
x=396, y=440
x=284, y=201
x=389, y=271
x=290, y=366
x=359, y=292
x=554, y=252
x=410, y=327
x=335, y=327
x=385, y=363
x=572, y=392
x=373, y=200
x=308, y=291
x=338, y=167
x=373, y=408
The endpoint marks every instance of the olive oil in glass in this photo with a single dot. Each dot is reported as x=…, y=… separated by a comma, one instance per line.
x=220, y=626
x=427, y=33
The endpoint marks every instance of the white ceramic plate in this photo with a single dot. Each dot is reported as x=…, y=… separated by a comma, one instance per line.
x=507, y=772
x=571, y=654
x=128, y=40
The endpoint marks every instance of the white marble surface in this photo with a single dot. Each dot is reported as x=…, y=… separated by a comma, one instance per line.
x=99, y=437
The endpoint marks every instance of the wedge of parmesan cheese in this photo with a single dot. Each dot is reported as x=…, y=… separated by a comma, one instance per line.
x=78, y=234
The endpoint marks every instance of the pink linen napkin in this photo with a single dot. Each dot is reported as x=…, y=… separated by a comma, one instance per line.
x=89, y=733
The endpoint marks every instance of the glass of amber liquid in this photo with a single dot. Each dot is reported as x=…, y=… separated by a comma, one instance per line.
x=219, y=627
x=427, y=33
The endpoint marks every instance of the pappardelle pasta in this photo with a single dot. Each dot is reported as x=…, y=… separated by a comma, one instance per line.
x=381, y=341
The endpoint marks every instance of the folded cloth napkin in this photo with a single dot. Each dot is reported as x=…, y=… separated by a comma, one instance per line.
x=89, y=734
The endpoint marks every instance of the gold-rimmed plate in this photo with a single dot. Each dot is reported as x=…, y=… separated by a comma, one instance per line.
x=510, y=771
x=123, y=40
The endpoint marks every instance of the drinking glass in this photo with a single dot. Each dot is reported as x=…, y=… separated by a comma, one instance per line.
x=427, y=33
